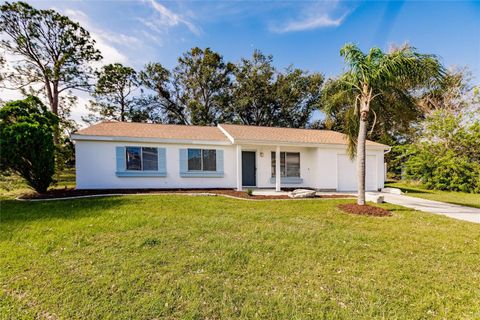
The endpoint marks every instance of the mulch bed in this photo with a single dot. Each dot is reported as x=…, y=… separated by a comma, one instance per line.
x=365, y=210
x=70, y=192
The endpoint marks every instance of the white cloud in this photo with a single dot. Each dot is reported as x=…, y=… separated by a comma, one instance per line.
x=9, y=95
x=152, y=37
x=105, y=40
x=318, y=15
x=310, y=23
x=80, y=109
x=167, y=18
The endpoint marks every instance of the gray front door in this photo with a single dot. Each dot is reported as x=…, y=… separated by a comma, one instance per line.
x=248, y=169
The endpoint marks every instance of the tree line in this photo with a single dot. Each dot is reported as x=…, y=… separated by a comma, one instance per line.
x=203, y=89
x=57, y=55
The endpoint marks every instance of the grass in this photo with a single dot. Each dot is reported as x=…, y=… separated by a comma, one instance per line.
x=180, y=257
x=12, y=185
x=416, y=190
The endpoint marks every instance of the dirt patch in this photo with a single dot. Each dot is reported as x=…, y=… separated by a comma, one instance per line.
x=365, y=210
x=70, y=192
x=23, y=298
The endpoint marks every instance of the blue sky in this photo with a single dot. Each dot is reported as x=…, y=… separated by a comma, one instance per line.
x=306, y=34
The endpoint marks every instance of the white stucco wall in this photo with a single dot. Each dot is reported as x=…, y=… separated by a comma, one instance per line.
x=96, y=166
x=328, y=159
x=326, y=172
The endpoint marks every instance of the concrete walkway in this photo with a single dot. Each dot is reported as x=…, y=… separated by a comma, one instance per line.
x=436, y=207
x=450, y=210
x=272, y=192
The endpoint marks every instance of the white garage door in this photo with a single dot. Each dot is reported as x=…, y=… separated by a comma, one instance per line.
x=347, y=173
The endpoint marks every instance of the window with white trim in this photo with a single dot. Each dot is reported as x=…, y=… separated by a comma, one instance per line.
x=141, y=158
x=289, y=164
x=202, y=160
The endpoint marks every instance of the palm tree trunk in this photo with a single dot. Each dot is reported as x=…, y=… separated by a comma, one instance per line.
x=362, y=135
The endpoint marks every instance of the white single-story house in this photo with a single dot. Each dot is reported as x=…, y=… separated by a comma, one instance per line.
x=124, y=155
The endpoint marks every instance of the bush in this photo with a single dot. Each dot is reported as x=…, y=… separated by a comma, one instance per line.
x=448, y=157
x=445, y=171
x=249, y=192
x=26, y=141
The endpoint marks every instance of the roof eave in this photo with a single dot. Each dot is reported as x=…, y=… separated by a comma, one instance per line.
x=305, y=144
x=84, y=137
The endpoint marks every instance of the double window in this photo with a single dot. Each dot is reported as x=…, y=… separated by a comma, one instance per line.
x=202, y=160
x=142, y=158
x=289, y=164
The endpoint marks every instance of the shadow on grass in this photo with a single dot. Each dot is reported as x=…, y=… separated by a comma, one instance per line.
x=13, y=211
x=402, y=209
x=409, y=189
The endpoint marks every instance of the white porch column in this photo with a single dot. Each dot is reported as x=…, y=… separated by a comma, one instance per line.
x=277, y=169
x=239, y=167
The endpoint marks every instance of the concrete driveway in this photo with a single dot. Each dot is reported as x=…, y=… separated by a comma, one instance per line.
x=450, y=210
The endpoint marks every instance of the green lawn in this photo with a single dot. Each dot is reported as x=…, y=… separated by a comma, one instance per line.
x=415, y=190
x=12, y=185
x=180, y=257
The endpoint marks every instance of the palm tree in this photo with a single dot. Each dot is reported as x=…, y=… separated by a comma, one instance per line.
x=377, y=76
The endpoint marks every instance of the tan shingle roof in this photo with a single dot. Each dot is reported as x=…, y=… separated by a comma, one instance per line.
x=287, y=135
x=156, y=131
x=204, y=133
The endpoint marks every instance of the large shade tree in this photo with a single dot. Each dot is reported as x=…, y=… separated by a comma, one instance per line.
x=455, y=93
x=196, y=91
x=202, y=82
x=371, y=77
x=161, y=99
x=203, y=89
x=297, y=93
x=264, y=96
x=254, y=91
x=55, y=52
x=113, y=94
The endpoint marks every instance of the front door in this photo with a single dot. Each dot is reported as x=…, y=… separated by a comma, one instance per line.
x=248, y=169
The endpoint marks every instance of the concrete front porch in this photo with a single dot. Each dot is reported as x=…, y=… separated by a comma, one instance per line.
x=258, y=165
x=273, y=192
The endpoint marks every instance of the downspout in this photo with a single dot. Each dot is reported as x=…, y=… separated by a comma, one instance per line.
x=385, y=164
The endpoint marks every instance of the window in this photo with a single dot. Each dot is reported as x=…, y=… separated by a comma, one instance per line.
x=202, y=160
x=150, y=159
x=289, y=164
x=293, y=164
x=209, y=160
x=139, y=158
x=194, y=159
x=134, y=158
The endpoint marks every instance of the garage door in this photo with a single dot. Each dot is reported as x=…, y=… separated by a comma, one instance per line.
x=347, y=174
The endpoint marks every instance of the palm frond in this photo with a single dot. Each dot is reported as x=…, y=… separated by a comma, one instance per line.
x=351, y=126
x=355, y=60
x=386, y=82
x=406, y=64
x=336, y=94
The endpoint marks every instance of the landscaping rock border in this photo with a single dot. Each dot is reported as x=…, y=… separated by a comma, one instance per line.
x=59, y=194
